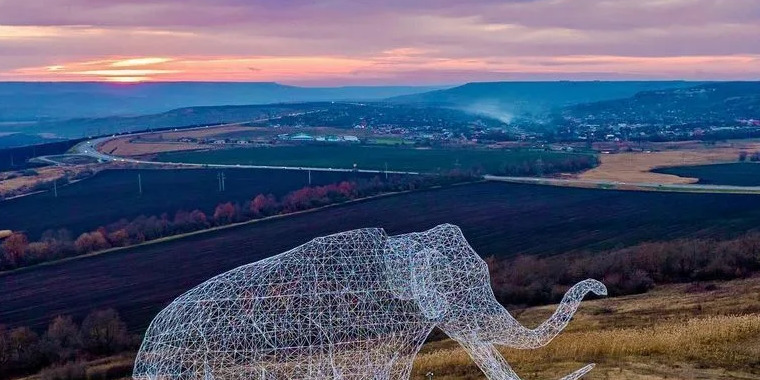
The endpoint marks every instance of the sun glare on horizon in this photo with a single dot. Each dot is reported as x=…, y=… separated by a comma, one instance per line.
x=125, y=79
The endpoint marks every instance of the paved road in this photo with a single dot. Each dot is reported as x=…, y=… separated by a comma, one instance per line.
x=89, y=148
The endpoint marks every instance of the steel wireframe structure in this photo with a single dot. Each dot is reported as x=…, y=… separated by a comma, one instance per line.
x=354, y=305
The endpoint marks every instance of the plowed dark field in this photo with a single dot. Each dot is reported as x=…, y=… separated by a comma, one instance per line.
x=112, y=195
x=497, y=218
x=736, y=174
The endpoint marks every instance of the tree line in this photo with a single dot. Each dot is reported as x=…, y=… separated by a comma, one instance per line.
x=539, y=167
x=64, y=345
x=534, y=280
x=18, y=251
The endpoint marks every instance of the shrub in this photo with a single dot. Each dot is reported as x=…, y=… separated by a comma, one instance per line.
x=110, y=371
x=68, y=371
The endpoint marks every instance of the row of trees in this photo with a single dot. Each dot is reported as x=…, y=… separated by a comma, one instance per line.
x=24, y=351
x=744, y=156
x=17, y=251
x=538, y=167
x=533, y=280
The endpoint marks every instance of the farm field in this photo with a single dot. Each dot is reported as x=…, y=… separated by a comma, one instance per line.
x=736, y=174
x=366, y=157
x=114, y=194
x=641, y=166
x=497, y=218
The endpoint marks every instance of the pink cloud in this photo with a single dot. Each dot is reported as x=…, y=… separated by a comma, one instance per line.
x=343, y=41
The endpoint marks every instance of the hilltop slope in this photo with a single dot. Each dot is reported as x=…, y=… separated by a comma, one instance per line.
x=532, y=97
x=712, y=102
x=24, y=101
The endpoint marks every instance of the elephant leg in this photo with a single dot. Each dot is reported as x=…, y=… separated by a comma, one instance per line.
x=489, y=360
x=495, y=367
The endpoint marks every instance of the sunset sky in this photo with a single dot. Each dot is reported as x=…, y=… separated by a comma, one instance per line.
x=351, y=42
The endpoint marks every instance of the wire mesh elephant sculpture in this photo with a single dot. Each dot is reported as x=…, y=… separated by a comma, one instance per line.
x=354, y=305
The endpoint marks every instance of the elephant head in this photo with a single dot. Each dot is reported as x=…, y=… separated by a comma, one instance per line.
x=451, y=285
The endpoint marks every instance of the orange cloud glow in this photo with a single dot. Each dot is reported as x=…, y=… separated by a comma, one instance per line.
x=385, y=65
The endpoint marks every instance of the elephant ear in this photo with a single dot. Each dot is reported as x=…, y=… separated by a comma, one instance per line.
x=425, y=268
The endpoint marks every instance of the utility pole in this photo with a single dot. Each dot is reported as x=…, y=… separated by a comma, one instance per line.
x=386, y=170
x=309, y=177
x=224, y=187
x=55, y=188
x=220, y=180
x=139, y=183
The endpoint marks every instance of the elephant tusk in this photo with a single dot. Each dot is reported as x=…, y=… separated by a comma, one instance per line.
x=579, y=373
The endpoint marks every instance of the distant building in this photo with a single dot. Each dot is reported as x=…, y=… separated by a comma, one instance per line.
x=350, y=138
x=302, y=137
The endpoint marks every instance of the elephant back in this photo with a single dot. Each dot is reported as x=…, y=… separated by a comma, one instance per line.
x=311, y=309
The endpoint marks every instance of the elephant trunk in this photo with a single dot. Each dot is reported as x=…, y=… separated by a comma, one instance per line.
x=502, y=329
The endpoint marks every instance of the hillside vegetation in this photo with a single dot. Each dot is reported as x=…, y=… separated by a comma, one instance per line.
x=697, y=331
x=709, y=103
x=531, y=97
x=707, y=331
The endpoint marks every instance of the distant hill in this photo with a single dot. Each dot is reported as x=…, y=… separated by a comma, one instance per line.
x=32, y=101
x=717, y=102
x=508, y=99
x=180, y=117
x=22, y=139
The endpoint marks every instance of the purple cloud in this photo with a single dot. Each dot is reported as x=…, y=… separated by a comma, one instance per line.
x=36, y=33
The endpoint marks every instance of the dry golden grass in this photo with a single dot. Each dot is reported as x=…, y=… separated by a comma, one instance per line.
x=636, y=166
x=21, y=184
x=125, y=147
x=673, y=332
x=670, y=333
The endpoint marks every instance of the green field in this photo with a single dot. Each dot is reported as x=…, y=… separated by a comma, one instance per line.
x=371, y=157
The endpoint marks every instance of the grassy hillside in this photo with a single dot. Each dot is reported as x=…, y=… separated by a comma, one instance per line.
x=674, y=332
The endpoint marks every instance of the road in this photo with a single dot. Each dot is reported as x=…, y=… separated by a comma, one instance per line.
x=89, y=148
